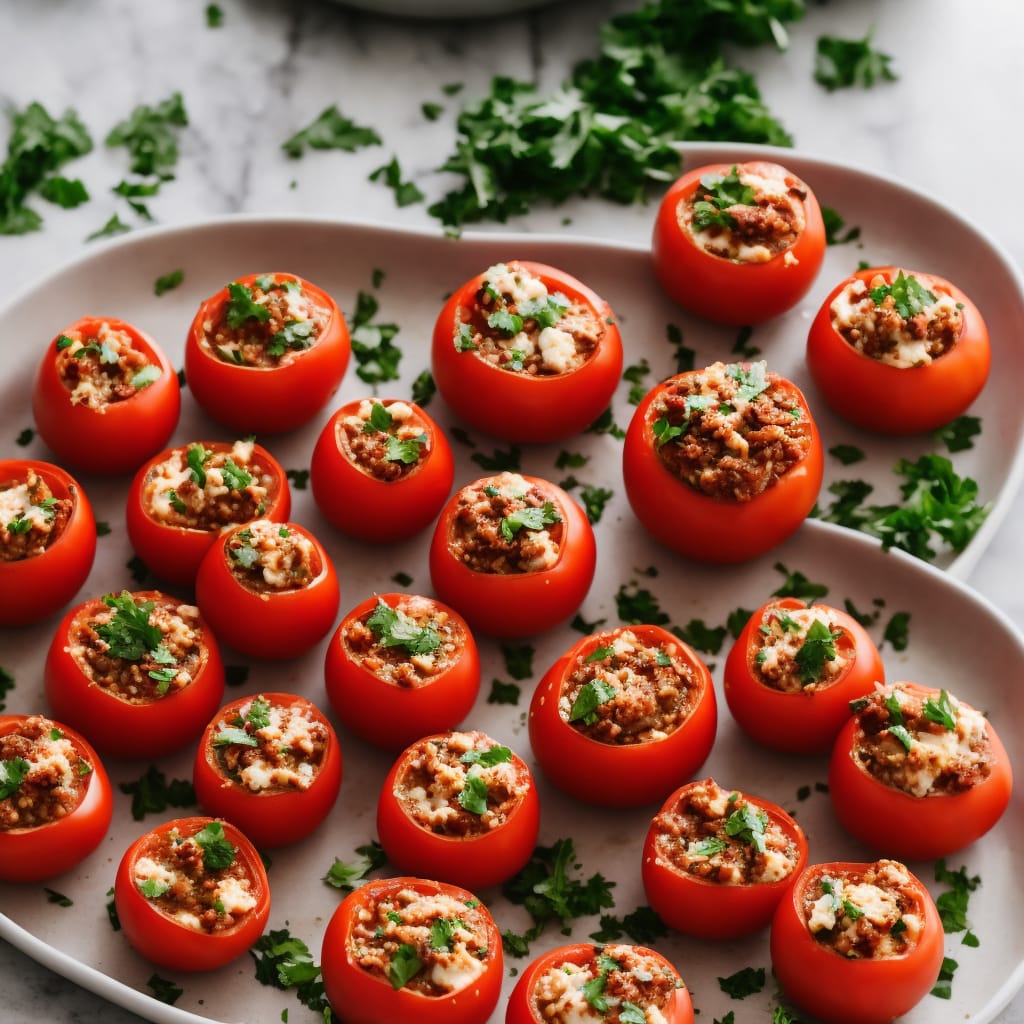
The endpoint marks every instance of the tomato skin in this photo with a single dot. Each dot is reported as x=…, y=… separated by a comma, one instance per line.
x=34, y=854
x=272, y=819
x=520, y=1004
x=909, y=827
x=127, y=730
x=273, y=626
x=173, y=553
x=119, y=438
x=32, y=589
x=518, y=406
x=175, y=946
x=799, y=723
x=474, y=862
x=360, y=998
x=706, y=910
x=518, y=604
x=267, y=400
x=837, y=990
x=703, y=528
x=391, y=716
x=377, y=510
x=619, y=776
x=891, y=399
x=724, y=290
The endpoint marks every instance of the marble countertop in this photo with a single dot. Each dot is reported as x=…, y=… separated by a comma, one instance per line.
x=943, y=127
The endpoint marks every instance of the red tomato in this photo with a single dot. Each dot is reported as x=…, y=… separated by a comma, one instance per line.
x=520, y=602
x=699, y=525
x=169, y=546
x=362, y=992
x=154, y=928
x=619, y=764
x=382, y=691
x=37, y=585
x=723, y=288
x=892, y=399
x=31, y=853
x=899, y=823
x=838, y=989
x=533, y=402
x=692, y=898
x=105, y=435
x=654, y=976
x=265, y=394
x=359, y=475
x=803, y=719
x=471, y=844
x=121, y=703
x=242, y=774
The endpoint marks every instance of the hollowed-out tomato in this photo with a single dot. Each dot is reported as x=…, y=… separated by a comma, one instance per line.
x=48, y=536
x=917, y=774
x=738, y=244
x=182, y=499
x=381, y=469
x=270, y=764
x=401, y=666
x=192, y=894
x=526, y=352
x=268, y=589
x=793, y=670
x=139, y=673
x=266, y=352
x=907, y=363
x=55, y=798
x=459, y=807
x=105, y=396
x=623, y=717
x=868, y=972
x=733, y=490
x=717, y=862
x=514, y=554
x=409, y=949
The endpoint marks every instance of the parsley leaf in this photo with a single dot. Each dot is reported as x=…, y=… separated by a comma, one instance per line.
x=286, y=962
x=591, y=696
x=941, y=711
x=473, y=795
x=953, y=903
x=393, y=628
x=745, y=982
x=406, y=193
x=344, y=876
x=798, y=585
x=330, y=130
x=594, y=500
x=834, y=224
x=500, y=461
x=405, y=965
x=698, y=634
x=503, y=693
x=847, y=454
x=819, y=646
x=423, y=389
x=12, y=775
x=6, y=685
x=842, y=63
x=376, y=357
x=909, y=296
x=642, y=925
x=242, y=307
x=518, y=660
x=164, y=990
x=748, y=824
x=719, y=192
x=487, y=758
x=530, y=518
x=130, y=634
x=637, y=606
x=958, y=435
x=151, y=793
x=218, y=851
x=944, y=984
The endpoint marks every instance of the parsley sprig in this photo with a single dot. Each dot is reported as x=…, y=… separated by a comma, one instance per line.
x=393, y=628
x=532, y=517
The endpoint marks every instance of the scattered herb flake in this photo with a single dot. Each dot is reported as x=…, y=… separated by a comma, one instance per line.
x=637, y=606
x=423, y=389
x=897, y=631
x=518, y=660
x=796, y=584
x=944, y=985
x=214, y=16
x=330, y=130
x=114, y=226
x=847, y=454
x=594, y=500
x=406, y=193
x=6, y=685
x=958, y=436
x=164, y=990
x=844, y=63
x=52, y=896
x=582, y=625
x=346, y=875
x=699, y=635
x=376, y=357
x=151, y=793
x=745, y=982
x=500, y=461
x=503, y=693
x=834, y=225
x=298, y=478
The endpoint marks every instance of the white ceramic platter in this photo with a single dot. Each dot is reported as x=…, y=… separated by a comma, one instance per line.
x=419, y=270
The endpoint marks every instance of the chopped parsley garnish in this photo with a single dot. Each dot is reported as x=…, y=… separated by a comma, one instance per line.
x=241, y=307
x=6, y=685
x=393, y=628
x=113, y=226
x=605, y=424
x=347, y=875
x=642, y=925
x=196, y=456
x=235, y=478
x=796, y=584
x=214, y=16
x=741, y=346
x=909, y=296
x=166, y=991
x=487, y=758
x=518, y=660
x=12, y=774
x=503, y=693
x=847, y=454
x=819, y=647
x=952, y=904
x=404, y=966
x=152, y=889
x=718, y=192
x=594, y=500
x=958, y=435
x=442, y=929
x=843, y=63
x=130, y=634
x=745, y=982
x=330, y=130
x=941, y=710
x=709, y=847
x=897, y=631
x=423, y=388
x=218, y=851
x=834, y=224
x=752, y=382
x=591, y=696
x=500, y=461
x=581, y=625
x=286, y=962
x=406, y=193
x=473, y=795
x=52, y=896
x=748, y=824
x=168, y=282
x=944, y=984
x=698, y=634
x=295, y=336
x=637, y=606
x=376, y=357
x=529, y=518
x=635, y=374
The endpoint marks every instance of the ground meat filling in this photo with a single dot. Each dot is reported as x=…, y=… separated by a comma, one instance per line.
x=505, y=525
x=271, y=558
x=516, y=324
x=626, y=692
x=902, y=324
x=730, y=432
x=870, y=915
x=102, y=368
x=181, y=877
x=799, y=650
x=153, y=651
x=268, y=323
x=719, y=836
x=626, y=977
x=271, y=748
x=43, y=777
x=746, y=216
x=199, y=488
x=432, y=944
x=923, y=744
x=31, y=518
x=387, y=441
x=408, y=645
x=461, y=785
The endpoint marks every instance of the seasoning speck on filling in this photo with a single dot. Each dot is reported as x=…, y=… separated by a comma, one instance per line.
x=31, y=518
x=516, y=324
x=102, y=368
x=719, y=836
x=42, y=775
x=730, y=431
x=387, y=441
x=505, y=525
x=799, y=650
x=267, y=557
